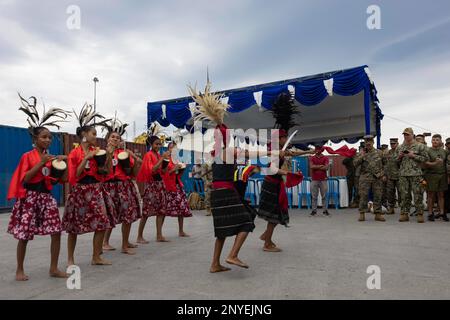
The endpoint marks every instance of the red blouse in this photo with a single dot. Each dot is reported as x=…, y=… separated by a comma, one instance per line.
x=75, y=157
x=27, y=162
x=170, y=179
x=117, y=171
x=146, y=173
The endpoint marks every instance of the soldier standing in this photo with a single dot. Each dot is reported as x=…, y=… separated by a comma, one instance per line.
x=411, y=156
x=392, y=173
x=447, y=194
x=357, y=174
x=384, y=200
x=372, y=178
x=348, y=163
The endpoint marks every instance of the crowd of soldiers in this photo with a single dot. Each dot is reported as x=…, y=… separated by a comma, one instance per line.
x=400, y=175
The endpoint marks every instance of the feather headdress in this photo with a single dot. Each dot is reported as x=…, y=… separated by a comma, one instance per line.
x=114, y=125
x=51, y=118
x=87, y=117
x=284, y=110
x=209, y=105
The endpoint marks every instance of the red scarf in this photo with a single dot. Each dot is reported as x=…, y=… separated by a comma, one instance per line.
x=343, y=151
x=27, y=162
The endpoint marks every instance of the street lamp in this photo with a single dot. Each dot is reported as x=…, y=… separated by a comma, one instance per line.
x=95, y=93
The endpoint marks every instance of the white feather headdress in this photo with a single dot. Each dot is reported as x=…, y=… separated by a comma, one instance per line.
x=87, y=116
x=114, y=125
x=209, y=105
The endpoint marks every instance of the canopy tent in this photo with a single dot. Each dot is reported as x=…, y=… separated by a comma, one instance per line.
x=338, y=105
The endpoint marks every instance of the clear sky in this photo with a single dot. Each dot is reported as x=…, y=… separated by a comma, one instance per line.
x=149, y=50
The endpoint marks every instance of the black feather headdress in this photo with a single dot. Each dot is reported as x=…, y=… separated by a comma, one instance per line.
x=50, y=118
x=284, y=111
x=87, y=117
x=114, y=125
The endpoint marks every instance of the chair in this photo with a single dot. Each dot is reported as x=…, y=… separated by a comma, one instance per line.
x=333, y=192
x=251, y=191
x=305, y=190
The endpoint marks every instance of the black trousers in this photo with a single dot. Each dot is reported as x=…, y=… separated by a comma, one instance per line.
x=447, y=200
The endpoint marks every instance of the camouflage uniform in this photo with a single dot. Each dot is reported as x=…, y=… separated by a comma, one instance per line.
x=207, y=180
x=372, y=170
x=411, y=177
x=392, y=173
x=357, y=175
x=348, y=163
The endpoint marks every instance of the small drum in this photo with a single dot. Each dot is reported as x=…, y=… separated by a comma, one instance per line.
x=124, y=160
x=181, y=170
x=58, y=169
x=100, y=158
x=165, y=163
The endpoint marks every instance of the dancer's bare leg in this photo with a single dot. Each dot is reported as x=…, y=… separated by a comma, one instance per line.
x=55, y=247
x=181, y=232
x=140, y=237
x=126, y=227
x=159, y=225
x=268, y=243
x=106, y=245
x=97, y=243
x=71, y=244
x=233, y=255
x=215, y=265
x=21, y=251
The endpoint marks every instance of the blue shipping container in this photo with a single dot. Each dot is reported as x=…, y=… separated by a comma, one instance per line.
x=15, y=142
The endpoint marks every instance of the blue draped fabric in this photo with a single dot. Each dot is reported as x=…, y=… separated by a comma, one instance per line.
x=178, y=113
x=155, y=114
x=310, y=92
x=270, y=94
x=240, y=101
x=352, y=82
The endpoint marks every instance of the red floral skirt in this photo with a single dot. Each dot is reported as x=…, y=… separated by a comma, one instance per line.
x=177, y=204
x=125, y=200
x=86, y=210
x=154, y=199
x=36, y=214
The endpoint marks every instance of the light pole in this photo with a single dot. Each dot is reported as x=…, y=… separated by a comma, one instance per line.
x=95, y=93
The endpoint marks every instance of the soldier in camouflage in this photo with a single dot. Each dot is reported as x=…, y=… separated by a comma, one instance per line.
x=392, y=173
x=384, y=200
x=411, y=156
x=371, y=178
x=357, y=175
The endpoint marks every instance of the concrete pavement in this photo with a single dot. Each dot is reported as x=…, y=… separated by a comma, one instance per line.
x=323, y=258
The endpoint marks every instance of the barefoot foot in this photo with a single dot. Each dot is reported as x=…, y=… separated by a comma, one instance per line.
x=236, y=262
x=142, y=241
x=183, y=235
x=128, y=251
x=219, y=268
x=100, y=262
x=58, y=274
x=21, y=276
x=162, y=239
x=132, y=245
x=107, y=247
x=271, y=249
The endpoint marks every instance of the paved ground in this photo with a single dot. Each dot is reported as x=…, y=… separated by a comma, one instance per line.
x=323, y=258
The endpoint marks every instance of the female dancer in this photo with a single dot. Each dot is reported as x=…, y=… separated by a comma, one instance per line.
x=176, y=204
x=85, y=208
x=36, y=211
x=273, y=206
x=154, y=199
x=119, y=187
x=230, y=216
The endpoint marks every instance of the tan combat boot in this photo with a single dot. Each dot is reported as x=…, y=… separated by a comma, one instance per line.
x=379, y=217
x=362, y=217
x=391, y=210
x=404, y=217
x=420, y=218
